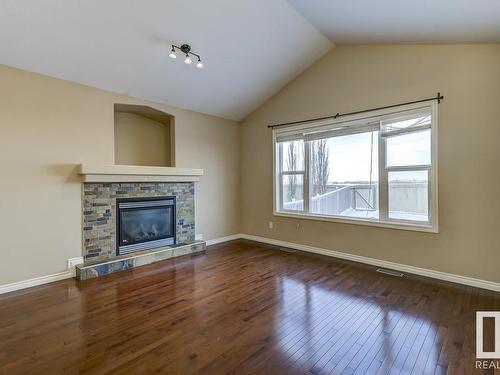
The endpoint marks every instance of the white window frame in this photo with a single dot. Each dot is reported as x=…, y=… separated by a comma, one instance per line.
x=383, y=221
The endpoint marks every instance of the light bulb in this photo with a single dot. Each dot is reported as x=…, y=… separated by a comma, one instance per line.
x=172, y=54
x=199, y=65
x=188, y=60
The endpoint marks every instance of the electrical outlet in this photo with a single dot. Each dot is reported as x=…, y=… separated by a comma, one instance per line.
x=271, y=225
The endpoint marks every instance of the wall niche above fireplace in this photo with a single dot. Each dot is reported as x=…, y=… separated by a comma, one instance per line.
x=143, y=136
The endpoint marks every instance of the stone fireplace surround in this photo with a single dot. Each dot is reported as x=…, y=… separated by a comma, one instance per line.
x=99, y=214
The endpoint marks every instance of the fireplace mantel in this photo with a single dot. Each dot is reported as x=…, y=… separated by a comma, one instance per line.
x=133, y=173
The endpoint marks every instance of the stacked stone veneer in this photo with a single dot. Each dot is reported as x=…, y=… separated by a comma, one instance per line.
x=99, y=213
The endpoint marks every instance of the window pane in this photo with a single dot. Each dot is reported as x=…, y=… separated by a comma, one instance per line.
x=344, y=176
x=293, y=156
x=409, y=149
x=293, y=192
x=406, y=122
x=409, y=195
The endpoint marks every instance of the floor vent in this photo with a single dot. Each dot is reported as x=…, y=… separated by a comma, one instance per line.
x=389, y=272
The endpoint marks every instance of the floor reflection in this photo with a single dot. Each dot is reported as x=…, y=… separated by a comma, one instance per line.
x=324, y=330
x=243, y=308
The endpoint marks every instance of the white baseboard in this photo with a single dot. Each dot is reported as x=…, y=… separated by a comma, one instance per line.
x=224, y=239
x=464, y=280
x=478, y=283
x=70, y=272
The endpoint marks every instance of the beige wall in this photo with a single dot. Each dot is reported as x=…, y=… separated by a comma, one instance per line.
x=358, y=77
x=141, y=141
x=47, y=126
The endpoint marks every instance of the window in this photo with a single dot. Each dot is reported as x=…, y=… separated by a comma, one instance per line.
x=379, y=169
x=292, y=174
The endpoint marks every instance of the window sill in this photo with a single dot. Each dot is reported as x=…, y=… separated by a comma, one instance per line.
x=367, y=222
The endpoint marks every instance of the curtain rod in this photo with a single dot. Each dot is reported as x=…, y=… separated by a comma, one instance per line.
x=438, y=97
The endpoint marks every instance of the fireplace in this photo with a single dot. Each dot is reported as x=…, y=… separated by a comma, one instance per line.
x=144, y=223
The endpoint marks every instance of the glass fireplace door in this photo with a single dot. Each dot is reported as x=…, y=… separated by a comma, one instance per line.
x=145, y=223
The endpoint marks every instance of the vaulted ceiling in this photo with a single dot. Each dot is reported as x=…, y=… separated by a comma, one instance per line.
x=404, y=21
x=251, y=48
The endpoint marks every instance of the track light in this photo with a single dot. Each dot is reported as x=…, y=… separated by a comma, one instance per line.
x=172, y=54
x=186, y=48
x=199, y=65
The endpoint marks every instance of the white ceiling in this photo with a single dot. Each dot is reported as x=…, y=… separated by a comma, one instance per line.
x=400, y=21
x=250, y=48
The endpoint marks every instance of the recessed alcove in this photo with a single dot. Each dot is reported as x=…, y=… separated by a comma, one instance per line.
x=143, y=136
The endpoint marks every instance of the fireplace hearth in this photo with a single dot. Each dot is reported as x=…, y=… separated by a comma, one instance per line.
x=145, y=223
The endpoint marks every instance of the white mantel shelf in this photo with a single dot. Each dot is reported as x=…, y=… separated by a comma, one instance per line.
x=135, y=173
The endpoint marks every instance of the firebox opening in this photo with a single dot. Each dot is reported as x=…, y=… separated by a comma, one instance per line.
x=145, y=223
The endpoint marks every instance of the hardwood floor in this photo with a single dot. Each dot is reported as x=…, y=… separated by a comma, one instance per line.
x=243, y=308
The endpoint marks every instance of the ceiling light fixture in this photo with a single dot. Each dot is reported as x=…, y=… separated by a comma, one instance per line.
x=199, y=65
x=172, y=54
x=186, y=48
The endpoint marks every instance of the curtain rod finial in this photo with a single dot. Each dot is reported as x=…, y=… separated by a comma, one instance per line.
x=439, y=97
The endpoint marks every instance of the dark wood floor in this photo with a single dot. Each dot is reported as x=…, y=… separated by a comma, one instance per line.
x=243, y=308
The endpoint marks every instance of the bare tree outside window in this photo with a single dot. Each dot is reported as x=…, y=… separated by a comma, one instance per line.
x=291, y=162
x=319, y=167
